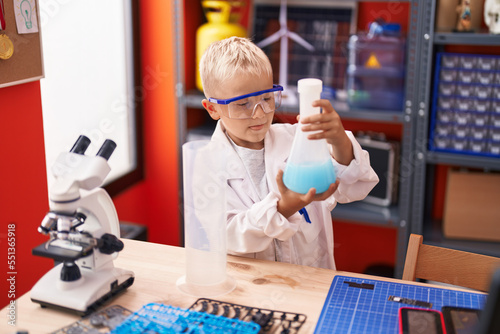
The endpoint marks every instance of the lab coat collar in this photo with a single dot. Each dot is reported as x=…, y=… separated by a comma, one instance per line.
x=279, y=140
x=236, y=169
x=272, y=139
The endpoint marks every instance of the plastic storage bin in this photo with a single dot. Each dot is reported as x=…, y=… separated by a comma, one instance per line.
x=376, y=71
x=466, y=104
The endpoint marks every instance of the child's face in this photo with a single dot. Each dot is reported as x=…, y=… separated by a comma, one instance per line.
x=249, y=132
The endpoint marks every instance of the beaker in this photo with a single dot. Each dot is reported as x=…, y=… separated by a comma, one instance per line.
x=309, y=164
x=204, y=194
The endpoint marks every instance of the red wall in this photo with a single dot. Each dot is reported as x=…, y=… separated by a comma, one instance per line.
x=359, y=246
x=23, y=188
x=392, y=11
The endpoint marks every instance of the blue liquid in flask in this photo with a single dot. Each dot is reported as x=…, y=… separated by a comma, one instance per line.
x=304, y=176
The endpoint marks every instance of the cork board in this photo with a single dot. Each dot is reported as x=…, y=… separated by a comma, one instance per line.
x=26, y=63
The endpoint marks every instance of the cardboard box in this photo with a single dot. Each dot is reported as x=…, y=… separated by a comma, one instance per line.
x=472, y=206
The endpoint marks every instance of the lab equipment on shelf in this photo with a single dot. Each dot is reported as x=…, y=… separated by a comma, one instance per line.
x=220, y=25
x=376, y=70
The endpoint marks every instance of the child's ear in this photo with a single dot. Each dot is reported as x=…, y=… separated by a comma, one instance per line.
x=210, y=107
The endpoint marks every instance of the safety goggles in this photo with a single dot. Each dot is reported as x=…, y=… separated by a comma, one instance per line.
x=244, y=106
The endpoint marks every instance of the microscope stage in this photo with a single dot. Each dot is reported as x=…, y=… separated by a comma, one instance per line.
x=62, y=250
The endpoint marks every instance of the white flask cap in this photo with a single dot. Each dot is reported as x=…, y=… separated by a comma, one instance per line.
x=310, y=85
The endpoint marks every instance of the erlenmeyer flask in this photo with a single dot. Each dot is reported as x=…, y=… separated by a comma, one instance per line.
x=310, y=163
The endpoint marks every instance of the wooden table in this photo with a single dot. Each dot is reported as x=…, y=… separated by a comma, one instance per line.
x=263, y=284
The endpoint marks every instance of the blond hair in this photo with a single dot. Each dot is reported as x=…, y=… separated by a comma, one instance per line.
x=225, y=59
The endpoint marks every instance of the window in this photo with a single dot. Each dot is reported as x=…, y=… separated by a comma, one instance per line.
x=92, y=82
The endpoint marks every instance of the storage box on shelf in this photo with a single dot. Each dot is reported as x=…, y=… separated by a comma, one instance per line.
x=376, y=71
x=324, y=25
x=466, y=104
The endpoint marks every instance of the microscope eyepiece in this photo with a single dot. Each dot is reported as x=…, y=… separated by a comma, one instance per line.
x=81, y=145
x=107, y=149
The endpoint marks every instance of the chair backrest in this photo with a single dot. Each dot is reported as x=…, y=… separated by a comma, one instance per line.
x=489, y=320
x=449, y=266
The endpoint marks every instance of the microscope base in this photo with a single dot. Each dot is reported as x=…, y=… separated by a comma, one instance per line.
x=95, y=289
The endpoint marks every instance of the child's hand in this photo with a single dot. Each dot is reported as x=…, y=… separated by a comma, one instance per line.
x=292, y=202
x=329, y=126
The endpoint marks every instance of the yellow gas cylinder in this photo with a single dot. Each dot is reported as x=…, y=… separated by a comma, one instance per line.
x=218, y=27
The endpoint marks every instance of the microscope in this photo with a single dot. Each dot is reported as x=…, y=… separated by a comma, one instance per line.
x=84, y=235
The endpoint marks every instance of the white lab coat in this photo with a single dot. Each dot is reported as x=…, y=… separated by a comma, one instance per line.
x=253, y=223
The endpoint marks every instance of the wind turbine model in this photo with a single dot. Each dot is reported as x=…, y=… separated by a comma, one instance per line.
x=283, y=34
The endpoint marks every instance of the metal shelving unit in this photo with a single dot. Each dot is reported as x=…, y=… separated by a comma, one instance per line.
x=368, y=213
x=446, y=38
x=425, y=159
x=464, y=160
x=398, y=216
